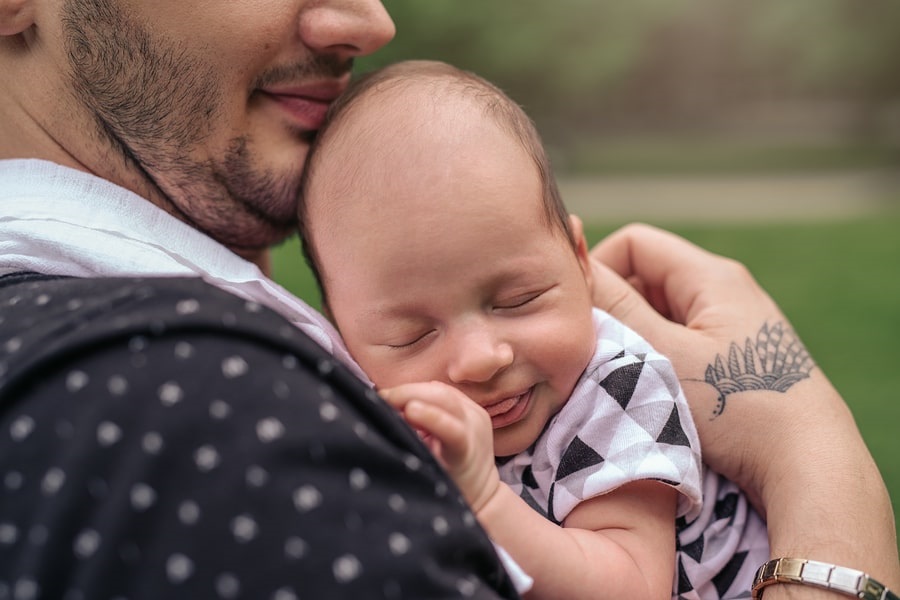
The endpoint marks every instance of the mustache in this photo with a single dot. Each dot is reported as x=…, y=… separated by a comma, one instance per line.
x=320, y=66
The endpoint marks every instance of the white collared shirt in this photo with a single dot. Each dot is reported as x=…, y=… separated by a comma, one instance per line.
x=61, y=221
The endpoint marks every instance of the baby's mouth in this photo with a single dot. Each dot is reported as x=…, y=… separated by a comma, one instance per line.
x=508, y=410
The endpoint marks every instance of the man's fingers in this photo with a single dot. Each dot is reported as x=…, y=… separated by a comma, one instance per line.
x=677, y=277
x=619, y=298
x=650, y=253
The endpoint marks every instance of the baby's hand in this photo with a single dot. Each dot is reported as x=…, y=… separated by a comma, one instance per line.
x=461, y=432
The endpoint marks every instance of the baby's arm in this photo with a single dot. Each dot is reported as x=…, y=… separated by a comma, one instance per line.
x=617, y=545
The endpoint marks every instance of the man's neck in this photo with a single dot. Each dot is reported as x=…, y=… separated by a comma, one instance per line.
x=260, y=258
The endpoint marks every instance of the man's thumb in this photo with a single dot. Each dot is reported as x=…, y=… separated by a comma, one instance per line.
x=616, y=296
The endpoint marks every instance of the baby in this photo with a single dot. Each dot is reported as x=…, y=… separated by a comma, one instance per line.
x=462, y=287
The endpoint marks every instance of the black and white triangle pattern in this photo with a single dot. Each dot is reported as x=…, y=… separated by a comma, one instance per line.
x=719, y=551
x=627, y=420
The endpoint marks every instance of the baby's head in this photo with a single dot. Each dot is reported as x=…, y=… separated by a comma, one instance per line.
x=385, y=94
x=443, y=251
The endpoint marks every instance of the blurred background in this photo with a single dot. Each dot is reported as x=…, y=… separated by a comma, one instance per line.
x=621, y=86
x=768, y=131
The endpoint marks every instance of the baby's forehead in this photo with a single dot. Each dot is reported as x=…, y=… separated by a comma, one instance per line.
x=415, y=105
x=412, y=124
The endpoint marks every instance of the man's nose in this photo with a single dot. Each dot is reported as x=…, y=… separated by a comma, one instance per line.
x=346, y=28
x=479, y=353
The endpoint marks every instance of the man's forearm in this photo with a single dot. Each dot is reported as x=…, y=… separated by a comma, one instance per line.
x=839, y=512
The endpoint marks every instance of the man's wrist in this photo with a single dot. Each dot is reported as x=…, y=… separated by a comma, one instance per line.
x=819, y=575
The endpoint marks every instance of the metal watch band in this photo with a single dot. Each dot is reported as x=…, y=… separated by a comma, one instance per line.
x=822, y=575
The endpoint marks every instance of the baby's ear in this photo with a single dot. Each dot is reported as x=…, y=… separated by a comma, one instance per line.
x=576, y=227
x=16, y=16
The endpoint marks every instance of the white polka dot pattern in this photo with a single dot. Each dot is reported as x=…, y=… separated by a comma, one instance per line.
x=194, y=446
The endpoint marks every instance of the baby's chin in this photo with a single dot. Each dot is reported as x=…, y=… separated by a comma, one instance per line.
x=507, y=445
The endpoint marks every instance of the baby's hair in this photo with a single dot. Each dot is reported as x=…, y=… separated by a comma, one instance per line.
x=496, y=105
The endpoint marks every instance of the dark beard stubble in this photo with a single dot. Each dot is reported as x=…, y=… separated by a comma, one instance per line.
x=153, y=103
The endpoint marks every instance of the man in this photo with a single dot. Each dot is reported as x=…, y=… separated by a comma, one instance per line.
x=206, y=112
x=164, y=438
x=244, y=461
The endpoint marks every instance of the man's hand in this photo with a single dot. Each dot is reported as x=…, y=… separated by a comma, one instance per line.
x=767, y=418
x=689, y=303
x=701, y=310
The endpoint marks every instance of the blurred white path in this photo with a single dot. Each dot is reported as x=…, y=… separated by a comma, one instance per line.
x=730, y=198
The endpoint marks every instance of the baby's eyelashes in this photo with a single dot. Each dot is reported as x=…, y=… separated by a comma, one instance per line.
x=409, y=341
x=520, y=300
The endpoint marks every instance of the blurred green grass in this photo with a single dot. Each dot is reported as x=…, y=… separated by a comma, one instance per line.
x=839, y=284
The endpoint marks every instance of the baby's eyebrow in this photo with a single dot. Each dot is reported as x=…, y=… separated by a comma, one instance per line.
x=391, y=309
x=399, y=312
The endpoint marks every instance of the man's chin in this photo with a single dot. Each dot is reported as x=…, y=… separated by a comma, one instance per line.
x=258, y=238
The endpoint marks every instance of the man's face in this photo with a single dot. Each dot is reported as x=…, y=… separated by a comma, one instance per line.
x=214, y=103
x=439, y=263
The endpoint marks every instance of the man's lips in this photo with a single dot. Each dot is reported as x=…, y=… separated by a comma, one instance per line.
x=306, y=105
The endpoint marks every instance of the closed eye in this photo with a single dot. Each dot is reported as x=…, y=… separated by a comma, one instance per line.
x=518, y=301
x=412, y=341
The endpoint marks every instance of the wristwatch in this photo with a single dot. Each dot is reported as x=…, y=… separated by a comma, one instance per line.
x=849, y=582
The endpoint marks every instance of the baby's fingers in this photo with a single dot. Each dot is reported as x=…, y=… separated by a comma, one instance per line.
x=431, y=392
x=447, y=428
x=448, y=415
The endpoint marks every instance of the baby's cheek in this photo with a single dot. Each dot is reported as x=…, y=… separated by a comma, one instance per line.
x=386, y=370
x=378, y=372
x=573, y=346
